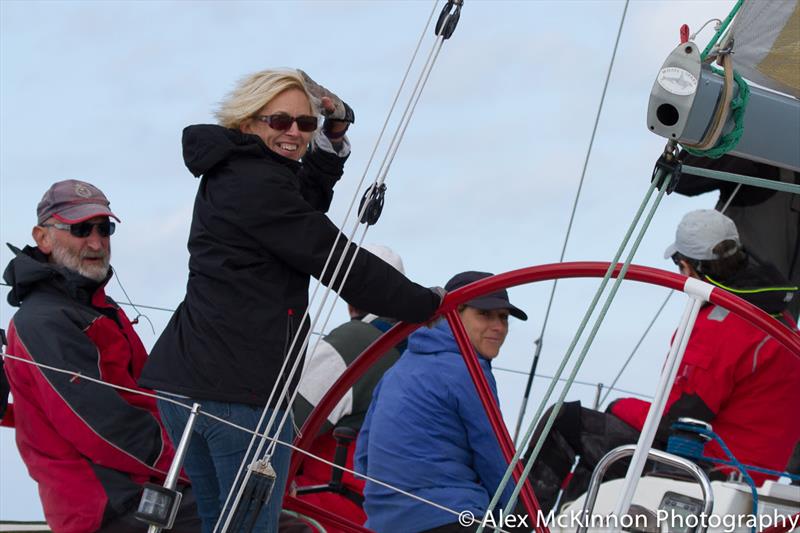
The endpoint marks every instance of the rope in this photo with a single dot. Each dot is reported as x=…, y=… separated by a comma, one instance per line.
x=738, y=105
x=655, y=183
x=727, y=142
x=328, y=260
x=230, y=424
x=587, y=383
x=660, y=309
x=138, y=313
x=153, y=307
x=714, y=130
x=388, y=159
x=284, y=394
x=396, y=140
x=636, y=348
x=592, y=333
x=681, y=444
x=763, y=183
x=730, y=198
x=723, y=27
x=693, y=449
x=540, y=340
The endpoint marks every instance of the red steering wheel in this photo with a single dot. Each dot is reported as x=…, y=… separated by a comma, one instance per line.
x=448, y=310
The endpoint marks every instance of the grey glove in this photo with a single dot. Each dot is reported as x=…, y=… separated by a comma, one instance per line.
x=341, y=112
x=440, y=292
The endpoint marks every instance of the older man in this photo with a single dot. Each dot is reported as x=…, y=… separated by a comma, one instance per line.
x=89, y=447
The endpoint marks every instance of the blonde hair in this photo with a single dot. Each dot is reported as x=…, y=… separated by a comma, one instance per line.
x=254, y=92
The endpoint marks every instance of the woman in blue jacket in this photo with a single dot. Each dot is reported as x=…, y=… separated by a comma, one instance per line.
x=426, y=431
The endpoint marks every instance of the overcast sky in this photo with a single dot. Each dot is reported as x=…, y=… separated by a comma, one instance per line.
x=484, y=180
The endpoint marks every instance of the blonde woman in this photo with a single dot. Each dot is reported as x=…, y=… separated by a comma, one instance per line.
x=259, y=232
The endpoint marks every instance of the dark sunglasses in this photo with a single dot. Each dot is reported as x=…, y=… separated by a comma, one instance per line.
x=84, y=229
x=282, y=121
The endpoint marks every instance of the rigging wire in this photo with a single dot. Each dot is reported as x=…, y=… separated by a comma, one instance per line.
x=612, y=265
x=720, y=30
x=347, y=214
x=138, y=313
x=717, y=26
x=635, y=348
x=730, y=198
x=595, y=327
x=539, y=342
x=399, y=133
x=297, y=359
x=145, y=306
x=80, y=376
x=153, y=307
x=586, y=383
x=285, y=392
x=405, y=121
x=658, y=312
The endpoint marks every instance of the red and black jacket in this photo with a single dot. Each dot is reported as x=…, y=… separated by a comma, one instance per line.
x=736, y=377
x=88, y=446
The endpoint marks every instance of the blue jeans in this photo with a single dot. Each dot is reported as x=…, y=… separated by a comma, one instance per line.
x=217, y=450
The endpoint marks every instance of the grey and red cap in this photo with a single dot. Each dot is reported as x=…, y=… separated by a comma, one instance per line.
x=487, y=302
x=73, y=201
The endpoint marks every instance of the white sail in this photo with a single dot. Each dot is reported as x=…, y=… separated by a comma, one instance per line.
x=766, y=40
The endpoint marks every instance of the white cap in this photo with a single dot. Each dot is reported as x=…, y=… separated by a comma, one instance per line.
x=387, y=254
x=699, y=232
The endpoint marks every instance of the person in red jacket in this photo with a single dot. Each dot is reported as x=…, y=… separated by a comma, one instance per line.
x=89, y=447
x=732, y=375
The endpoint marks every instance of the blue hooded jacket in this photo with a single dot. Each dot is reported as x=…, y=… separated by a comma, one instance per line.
x=426, y=432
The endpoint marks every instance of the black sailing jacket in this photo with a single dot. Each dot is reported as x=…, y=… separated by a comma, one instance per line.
x=258, y=234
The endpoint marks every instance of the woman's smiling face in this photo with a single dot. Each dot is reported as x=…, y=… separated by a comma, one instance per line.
x=291, y=143
x=487, y=329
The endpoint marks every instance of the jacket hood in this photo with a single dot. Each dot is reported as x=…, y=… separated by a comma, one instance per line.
x=760, y=284
x=440, y=338
x=30, y=270
x=207, y=145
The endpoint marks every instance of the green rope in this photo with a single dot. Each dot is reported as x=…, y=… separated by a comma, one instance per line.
x=589, y=340
x=729, y=141
x=740, y=178
x=507, y=476
x=721, y=30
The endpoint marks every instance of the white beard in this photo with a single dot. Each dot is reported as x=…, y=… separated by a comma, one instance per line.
x=97, y=272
